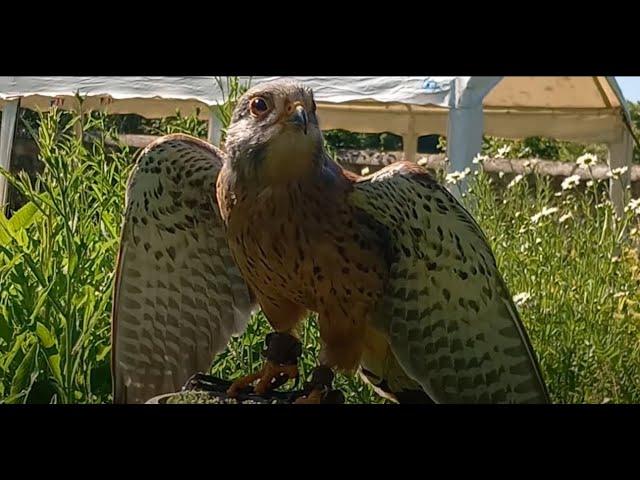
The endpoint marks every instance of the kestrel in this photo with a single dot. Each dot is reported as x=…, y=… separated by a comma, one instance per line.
x=404, y=283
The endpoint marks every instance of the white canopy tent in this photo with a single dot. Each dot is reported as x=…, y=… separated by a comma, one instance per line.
x=581, y=109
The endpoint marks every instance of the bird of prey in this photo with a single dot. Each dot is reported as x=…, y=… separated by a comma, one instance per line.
x=403, y=281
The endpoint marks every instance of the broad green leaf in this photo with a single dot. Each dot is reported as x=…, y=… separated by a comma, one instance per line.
x=23, y=379
x=5, y=230
x=24, y=217
x=46, y=339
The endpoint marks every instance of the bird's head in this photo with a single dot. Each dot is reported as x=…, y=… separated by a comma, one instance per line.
x=274, y=135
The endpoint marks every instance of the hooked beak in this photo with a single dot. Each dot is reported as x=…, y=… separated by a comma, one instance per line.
x=299, y=117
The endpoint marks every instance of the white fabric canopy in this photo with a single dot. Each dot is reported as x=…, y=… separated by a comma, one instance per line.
x=582, y=109
x=572, y=108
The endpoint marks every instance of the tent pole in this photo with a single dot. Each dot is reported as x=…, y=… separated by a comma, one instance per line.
x=620, y=155
x=215, y=128
x=464, y=141
x=465, y=123
x=7, y=130
x=410, y=139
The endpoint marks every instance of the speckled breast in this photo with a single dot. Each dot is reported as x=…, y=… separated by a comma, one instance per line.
x=306, y=249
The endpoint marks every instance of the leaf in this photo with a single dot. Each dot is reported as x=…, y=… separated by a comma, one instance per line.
x=5, y=230
x=11, y=399
x=14, y=351
x=24, y=217
x=46, y=339
x=54, y=366
x=104, y=350
x=23, y=379
x=42, y=298
x=5, y=329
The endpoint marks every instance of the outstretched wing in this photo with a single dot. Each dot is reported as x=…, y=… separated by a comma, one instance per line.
x=448, y=315
x=178, y=296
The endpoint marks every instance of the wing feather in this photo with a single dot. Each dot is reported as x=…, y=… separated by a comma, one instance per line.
x=178, y=295
x=446, y=311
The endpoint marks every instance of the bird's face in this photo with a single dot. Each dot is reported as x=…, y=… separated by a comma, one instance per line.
x=274, y=135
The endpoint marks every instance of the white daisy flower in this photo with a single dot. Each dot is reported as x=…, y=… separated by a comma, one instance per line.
x=617, y=172
x=515, y=180
x=455, y=177
x=521, y=298
x=570, y=182
x=587, y=160
x=565, y=217
x=502, y=151
x=634, y=206
x=544, y=213
x=479, y=159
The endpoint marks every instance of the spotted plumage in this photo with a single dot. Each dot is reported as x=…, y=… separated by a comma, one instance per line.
x=405, y=285
x=178, y=293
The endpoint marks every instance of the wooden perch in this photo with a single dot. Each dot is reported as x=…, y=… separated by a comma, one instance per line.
x=366, y=158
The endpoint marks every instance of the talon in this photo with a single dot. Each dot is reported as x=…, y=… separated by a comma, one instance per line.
x=318, y=389
x=272, y=372
x=282, y=353
x=315, y=397
x=242, y=382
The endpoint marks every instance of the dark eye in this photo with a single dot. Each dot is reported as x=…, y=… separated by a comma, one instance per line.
x=258, y=106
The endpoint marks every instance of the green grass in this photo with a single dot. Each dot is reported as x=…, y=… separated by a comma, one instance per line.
x=577, y=272
x=578, y=280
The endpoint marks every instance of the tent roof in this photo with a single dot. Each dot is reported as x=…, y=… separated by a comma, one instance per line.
x=572, y=108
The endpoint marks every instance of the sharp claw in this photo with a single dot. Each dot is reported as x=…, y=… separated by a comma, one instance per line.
x=266, y=376
x=314, y=397
x=319, y=388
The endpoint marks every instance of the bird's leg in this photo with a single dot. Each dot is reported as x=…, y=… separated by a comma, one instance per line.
x=281, y=353
x=319, y=388
x=342, y=345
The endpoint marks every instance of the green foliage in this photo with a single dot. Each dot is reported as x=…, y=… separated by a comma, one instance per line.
x=189, y=124
x=56, y=269
x=576, y=274
x=232, y=90
x=535, y=147
x=339, y=139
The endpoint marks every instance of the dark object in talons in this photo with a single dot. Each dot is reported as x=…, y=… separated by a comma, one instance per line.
x=333, y=397
x=322, y=380
x=282, y=348
x=218, y=387
x=322, y=376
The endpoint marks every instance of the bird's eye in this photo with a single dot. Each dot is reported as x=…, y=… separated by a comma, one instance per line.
x=258, y=106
